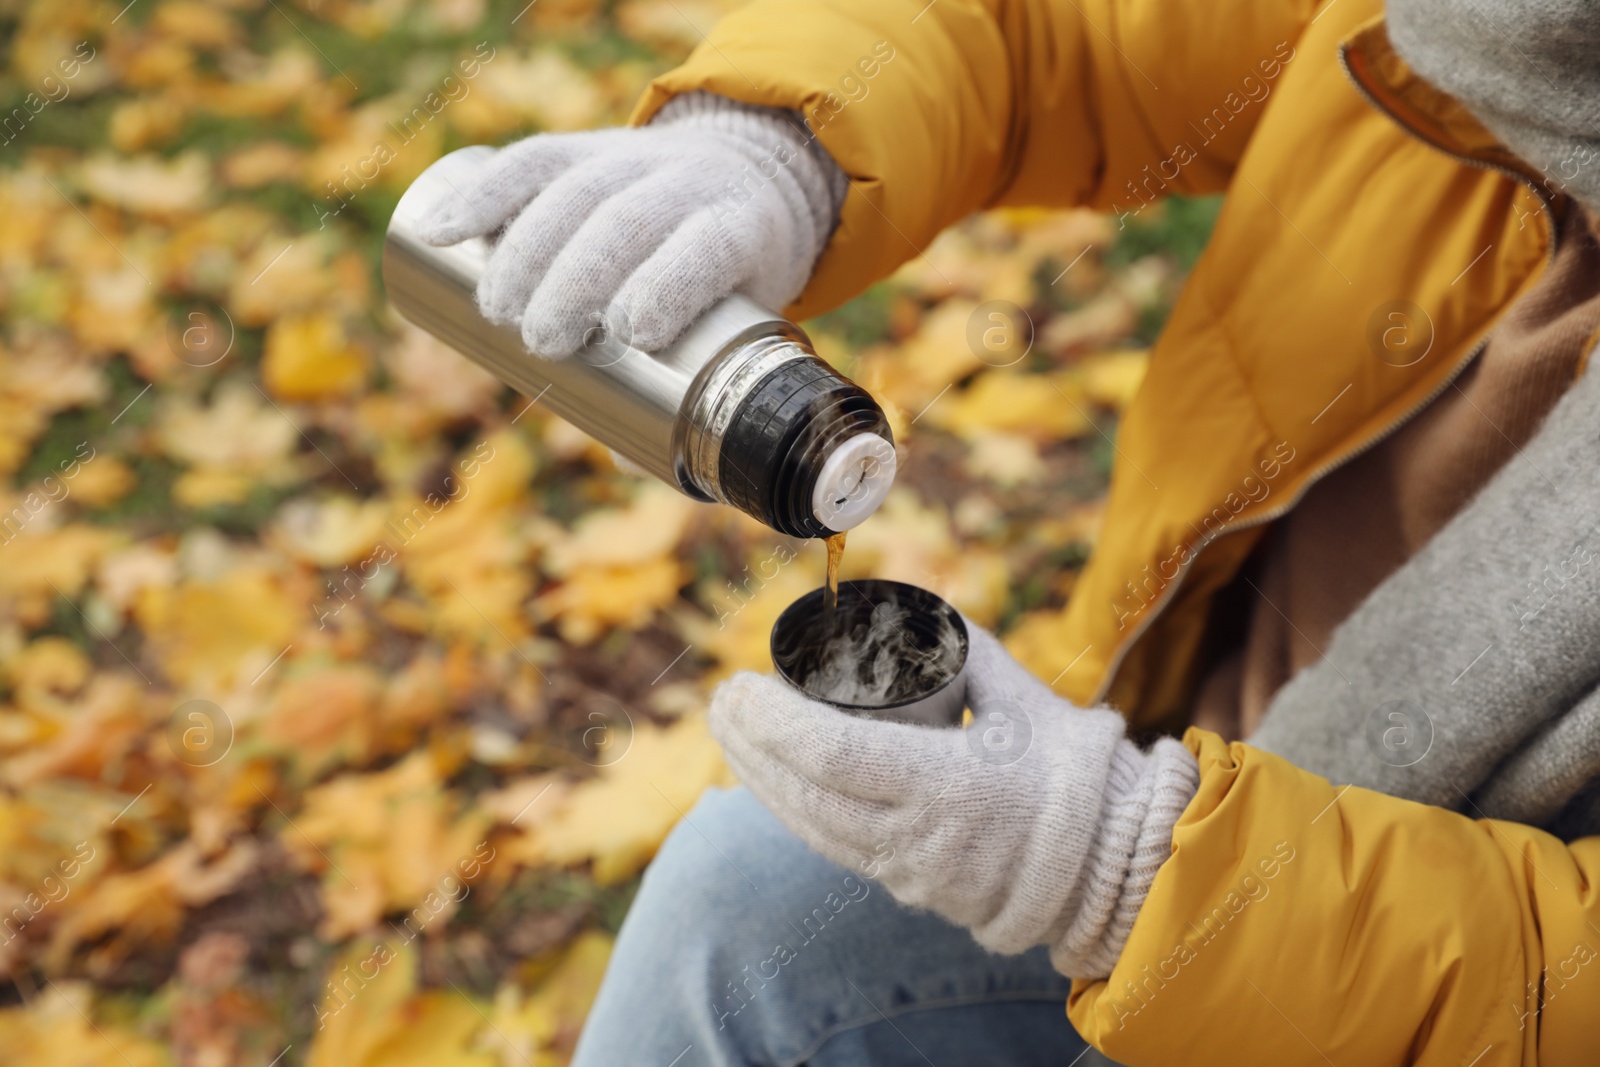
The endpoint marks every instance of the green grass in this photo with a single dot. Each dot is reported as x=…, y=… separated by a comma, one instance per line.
x=1178, y=227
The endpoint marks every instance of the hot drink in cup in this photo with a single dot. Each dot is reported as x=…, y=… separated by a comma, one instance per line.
x=888, y=650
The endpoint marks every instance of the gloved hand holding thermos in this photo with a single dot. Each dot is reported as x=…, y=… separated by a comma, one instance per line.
x=624, y=278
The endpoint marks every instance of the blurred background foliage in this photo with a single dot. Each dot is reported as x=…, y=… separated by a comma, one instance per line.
x=343, y=695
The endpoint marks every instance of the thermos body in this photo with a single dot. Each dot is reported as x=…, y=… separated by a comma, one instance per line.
x=739, y=409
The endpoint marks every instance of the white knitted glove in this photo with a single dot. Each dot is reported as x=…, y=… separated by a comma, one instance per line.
x=639, y=230
x=1038, y=824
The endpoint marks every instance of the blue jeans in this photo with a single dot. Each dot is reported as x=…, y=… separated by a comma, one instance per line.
x=744, y=947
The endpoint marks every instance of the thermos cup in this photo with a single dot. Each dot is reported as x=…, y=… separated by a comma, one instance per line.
x=738, y=410
x=887, y=650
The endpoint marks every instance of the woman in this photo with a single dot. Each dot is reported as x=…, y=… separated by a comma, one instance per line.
x=1399, y=294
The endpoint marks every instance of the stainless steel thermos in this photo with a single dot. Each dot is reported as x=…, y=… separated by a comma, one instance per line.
x=739, y=409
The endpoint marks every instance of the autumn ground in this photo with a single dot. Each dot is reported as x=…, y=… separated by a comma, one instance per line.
x=342, y=696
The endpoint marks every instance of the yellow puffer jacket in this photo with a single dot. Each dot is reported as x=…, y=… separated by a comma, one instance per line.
x=1296, y=922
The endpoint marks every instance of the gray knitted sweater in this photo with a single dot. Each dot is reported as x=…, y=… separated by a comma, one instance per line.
x=1469, y=678
x=1525, y=68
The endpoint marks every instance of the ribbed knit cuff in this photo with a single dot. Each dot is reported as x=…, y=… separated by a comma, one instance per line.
x=824, y=184
x=1146, y=793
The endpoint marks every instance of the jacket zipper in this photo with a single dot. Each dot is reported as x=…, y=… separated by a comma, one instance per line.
x=1272, y=514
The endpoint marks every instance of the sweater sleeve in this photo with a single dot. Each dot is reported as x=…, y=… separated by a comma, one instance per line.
x=1299, y=922
x=1146, y=793
x=938, y=109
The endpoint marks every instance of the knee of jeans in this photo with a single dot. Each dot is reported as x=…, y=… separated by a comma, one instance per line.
x=703, y=860
x=725, y=873
x=703, y=925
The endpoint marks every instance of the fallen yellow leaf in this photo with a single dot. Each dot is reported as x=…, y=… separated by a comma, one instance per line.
x=1006, y=459
x=212, y=632
x=148, y=185
x=113, y=310
x=262, y=164
x=148, y=904
x=332, y=532
x=104, y=481
x=528, y=1025
x=58, y=1030
x=914, y=373
x=647, y=529
x=547, y=86
x=323, y=716
x=394, y=840
x=594, y=599
x=238, y=431
x=618, y=819
x=1041, y=406
x=371, y=1015
x=209, y=487
x=286, y=278
x=1112, y=378
x=49, y=664
x=40, y=566
x=310, y=358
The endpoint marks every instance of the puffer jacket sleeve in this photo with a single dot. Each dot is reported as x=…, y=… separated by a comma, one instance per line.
x=1299, y=922
x=936, y=109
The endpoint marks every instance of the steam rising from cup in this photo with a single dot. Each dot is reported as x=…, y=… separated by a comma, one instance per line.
x=890, y=650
